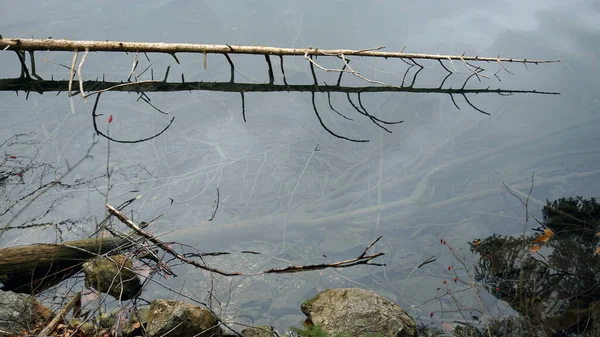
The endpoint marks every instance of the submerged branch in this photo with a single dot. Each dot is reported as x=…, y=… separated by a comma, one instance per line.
x=363, y=258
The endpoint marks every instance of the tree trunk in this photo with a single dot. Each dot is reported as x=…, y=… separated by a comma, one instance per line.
x=36, y=267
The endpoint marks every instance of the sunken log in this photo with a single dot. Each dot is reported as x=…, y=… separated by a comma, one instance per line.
x=33, y=268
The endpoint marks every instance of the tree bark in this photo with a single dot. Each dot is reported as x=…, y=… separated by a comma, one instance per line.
x=19, y=44
x=33, y=268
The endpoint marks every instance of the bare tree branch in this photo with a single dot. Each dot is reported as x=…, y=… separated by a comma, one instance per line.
x=98, y=132
x=172, y=48
x=363, y=258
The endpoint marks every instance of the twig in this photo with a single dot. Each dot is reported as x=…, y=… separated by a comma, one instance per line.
x=216, y=206
x=475, y=290
x=362, y=259
x=289, y=209
x=243, y=106
x=524, y=235
x=327, y=129
x=71, y=75
x=425, y=262
x=122, y=85
x=133, y=67
x=50, y=327
x=45, y=189
x=98, y=132
x=79, y=74
x=309, y=59
x=271, y=76
x=24, y=71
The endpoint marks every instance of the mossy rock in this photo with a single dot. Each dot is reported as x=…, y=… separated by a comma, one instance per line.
x=259, y=331
x=358, y=312
x=113, y=275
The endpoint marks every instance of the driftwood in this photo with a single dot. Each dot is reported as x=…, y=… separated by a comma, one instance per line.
x=172, y=48
x=36, y=267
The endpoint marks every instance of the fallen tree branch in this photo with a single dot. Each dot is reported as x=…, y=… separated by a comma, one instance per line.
x=36, y=267
x=50, y=327
x=100, y=133
x=172, y=48
x=310, y=54
x=363, y=258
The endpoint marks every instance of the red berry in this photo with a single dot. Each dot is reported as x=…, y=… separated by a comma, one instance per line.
x=430, y=314
x=444, y=281
x=449, y=267
x=110, y=118
x=455, y=279
x=437, y=289
x=13, y=157
x=497, y=289
x=20, y=174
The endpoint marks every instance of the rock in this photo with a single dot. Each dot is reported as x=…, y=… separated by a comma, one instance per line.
x=180, y=319
x=137, y=322
x=258, y=331
x=88, y=328
x=19, y=312
x=358, y=312
x=113, y=275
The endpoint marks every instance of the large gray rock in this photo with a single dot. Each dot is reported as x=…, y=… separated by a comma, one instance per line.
x=18, y=312
x=173, y=318
x=359, y=312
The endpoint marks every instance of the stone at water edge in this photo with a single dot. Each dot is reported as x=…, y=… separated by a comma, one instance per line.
x=258, y=331
x=358, y=312
x=20, y=312
x=181, y=320
x=113, y=275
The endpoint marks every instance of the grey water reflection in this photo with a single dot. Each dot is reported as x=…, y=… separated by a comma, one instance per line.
x=438, y=175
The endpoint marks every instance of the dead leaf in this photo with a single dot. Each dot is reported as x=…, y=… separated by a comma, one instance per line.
x=447, y=326
x=597, y=251
x=548, y=232
x=534, y=249
x=543, y=238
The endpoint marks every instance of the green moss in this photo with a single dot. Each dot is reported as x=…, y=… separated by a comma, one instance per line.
x=317, y=331
x=307, y=305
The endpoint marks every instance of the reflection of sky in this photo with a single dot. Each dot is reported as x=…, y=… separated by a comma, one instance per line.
x=440, y=174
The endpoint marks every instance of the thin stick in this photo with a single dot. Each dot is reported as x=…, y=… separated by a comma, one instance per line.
x=214, y=212
x=50, y=327
x=122, y=85
x=71, y=74
x=79, y=74
x=362, y=259
x=426, y=261
x=287, y=217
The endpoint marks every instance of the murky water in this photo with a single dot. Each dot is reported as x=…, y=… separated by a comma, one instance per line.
x=440, y=174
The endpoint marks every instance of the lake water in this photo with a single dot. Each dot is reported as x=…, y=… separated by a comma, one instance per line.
x=439, y=175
